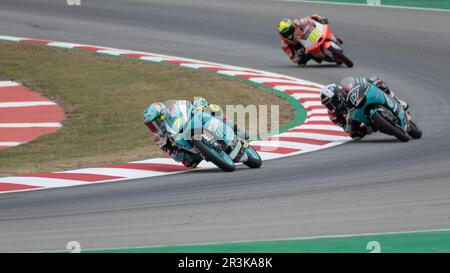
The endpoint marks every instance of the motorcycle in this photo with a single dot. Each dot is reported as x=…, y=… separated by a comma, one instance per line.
x=372, y=107
x=321, y=43
x=202, y=133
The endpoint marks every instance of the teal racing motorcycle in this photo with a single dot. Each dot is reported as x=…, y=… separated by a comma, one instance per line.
x=371, y=106
x=202, y=133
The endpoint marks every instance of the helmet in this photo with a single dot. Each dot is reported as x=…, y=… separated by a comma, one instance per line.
x=286, y=29
x=154, y=116
x=201, y=103
x=332, y=97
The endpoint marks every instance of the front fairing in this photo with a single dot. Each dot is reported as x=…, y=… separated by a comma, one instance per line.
x=187, y=122
x=314, y=38
x=318, y=40
x=373, y=96
x=179, y=114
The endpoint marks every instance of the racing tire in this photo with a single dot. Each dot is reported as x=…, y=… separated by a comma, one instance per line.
x=213, y=155
x=339, y=55
x=387, y=127
x=414, y=131
x=254, y=160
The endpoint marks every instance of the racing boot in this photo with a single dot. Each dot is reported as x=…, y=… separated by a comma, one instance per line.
x=339, y=39
x=317, y=60
x=303, y=57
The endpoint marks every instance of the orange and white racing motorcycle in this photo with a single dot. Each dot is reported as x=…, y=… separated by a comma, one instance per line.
x=321, y=43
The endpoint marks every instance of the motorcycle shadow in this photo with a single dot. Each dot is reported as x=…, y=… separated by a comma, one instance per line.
x=376, y=140
x=314, y=65
x=330, y=65
x=240, y=167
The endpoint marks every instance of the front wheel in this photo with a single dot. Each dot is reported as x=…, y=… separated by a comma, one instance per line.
x=339, y=56
x=254, y=160
x=387, y=127
x=414, y=131
x=219, y=158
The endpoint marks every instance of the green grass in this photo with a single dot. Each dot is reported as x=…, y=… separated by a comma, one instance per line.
x=407, y=242
x=104, y=98
x=437, y=4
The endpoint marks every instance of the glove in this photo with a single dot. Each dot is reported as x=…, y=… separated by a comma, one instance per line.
x=164, y=144
x=380, y=84
x=355, y=129
x=168, y=148
x=322, y=20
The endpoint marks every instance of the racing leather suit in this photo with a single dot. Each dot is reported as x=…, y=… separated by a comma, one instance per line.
x=355, y=128
x=294, y=49
x=189, y=159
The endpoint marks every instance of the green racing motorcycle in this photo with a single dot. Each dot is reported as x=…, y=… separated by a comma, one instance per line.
x=371, y=106
x=202, y=133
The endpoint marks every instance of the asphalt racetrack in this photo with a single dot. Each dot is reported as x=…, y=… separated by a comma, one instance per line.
x=373, y=185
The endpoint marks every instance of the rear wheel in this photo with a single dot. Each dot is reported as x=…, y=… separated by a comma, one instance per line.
x=219, y=158
x=387, y=127
x=339, y=56
x=414, y=131
x=254, y=160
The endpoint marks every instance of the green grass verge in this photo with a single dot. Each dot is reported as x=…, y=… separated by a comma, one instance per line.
x=422, y=242
x=435, y=4
x=104, y=98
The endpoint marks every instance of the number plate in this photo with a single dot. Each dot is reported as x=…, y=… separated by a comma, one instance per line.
x=314, y=35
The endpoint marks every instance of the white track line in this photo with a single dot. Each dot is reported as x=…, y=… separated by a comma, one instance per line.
x=318, y=118
x=319, y=127
x=10, y=143
x=318, y=111
x=120, y=172
x=60, y=44
x=286, y=144
x=26, y=104
x=315, y=136
x=303, y=96
x=43, y=181
x=29, y=125
x=162, y=160
x=296, y=87
x=8, y=84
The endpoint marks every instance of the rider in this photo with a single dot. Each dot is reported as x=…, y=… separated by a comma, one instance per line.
x=155, y=117
x=333, y=97
x=292, y=30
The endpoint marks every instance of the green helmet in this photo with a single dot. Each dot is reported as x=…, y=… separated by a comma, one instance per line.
x=154, y=116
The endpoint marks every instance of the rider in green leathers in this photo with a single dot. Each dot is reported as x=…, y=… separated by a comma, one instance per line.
x=157, y=115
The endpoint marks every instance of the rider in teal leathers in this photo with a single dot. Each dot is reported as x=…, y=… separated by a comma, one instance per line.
x=334, y=96
x=157, y=115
